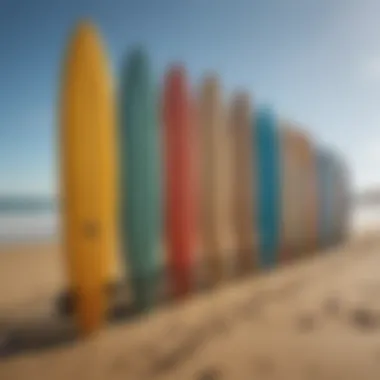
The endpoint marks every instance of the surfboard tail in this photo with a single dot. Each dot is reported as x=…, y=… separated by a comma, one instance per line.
x=90, y=306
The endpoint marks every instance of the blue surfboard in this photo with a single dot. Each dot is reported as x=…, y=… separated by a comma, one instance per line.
x=325, y=168
x=266, y=140
x=335, y=199
x=340, y=199
x=344, y=199
x=140, y=175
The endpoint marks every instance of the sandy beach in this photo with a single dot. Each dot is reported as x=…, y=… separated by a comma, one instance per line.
x=29, y=272
x=318, y=318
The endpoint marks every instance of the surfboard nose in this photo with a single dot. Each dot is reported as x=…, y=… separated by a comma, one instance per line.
x=85, y=27
x=176, y=75
x=85, y=33
x=136, y=62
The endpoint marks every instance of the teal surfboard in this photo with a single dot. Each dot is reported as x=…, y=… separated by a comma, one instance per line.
x=266, y=141
x=140, y=199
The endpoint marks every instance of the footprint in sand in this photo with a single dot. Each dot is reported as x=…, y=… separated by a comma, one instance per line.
x=209, y=374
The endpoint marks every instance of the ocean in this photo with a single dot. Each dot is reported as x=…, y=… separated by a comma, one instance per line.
x=366, y=217
x=28, y=219
x=29, y=227
x=42, y=223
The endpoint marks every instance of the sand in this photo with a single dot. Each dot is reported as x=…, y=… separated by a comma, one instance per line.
x=29, y=272
x=318, y=318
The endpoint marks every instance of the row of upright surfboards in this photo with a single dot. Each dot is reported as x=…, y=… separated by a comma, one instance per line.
x=180, y=184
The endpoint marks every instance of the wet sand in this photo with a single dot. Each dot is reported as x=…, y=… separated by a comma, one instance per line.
x=318, y=318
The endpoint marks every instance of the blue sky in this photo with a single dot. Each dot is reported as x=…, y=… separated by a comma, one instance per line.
x=316, y=62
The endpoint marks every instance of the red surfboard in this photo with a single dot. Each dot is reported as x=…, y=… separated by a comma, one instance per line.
x=180, y=181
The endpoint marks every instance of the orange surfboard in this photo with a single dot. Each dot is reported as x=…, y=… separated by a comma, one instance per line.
x=181, y=182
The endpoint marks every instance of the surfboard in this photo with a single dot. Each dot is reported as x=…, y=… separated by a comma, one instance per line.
x=340, y=199
x=334, y=198
x=308, y=188
x=216, y=238
x=140, y=178
x=88, y=175
x=267, y=146
x=325, y=180
x=242, y=174
x=292, y=208
x=179, y=139
x=223, y=169
x=343, y=200
x=346, y=201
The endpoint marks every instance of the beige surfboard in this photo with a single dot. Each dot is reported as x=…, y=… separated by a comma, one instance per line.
x=217, y=236
x=291, y=192
x=308, y=191
x=242, y=180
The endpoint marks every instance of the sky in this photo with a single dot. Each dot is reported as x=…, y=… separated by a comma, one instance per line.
x=315, y=62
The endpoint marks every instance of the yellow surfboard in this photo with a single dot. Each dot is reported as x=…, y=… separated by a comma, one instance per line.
x=88, y=175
